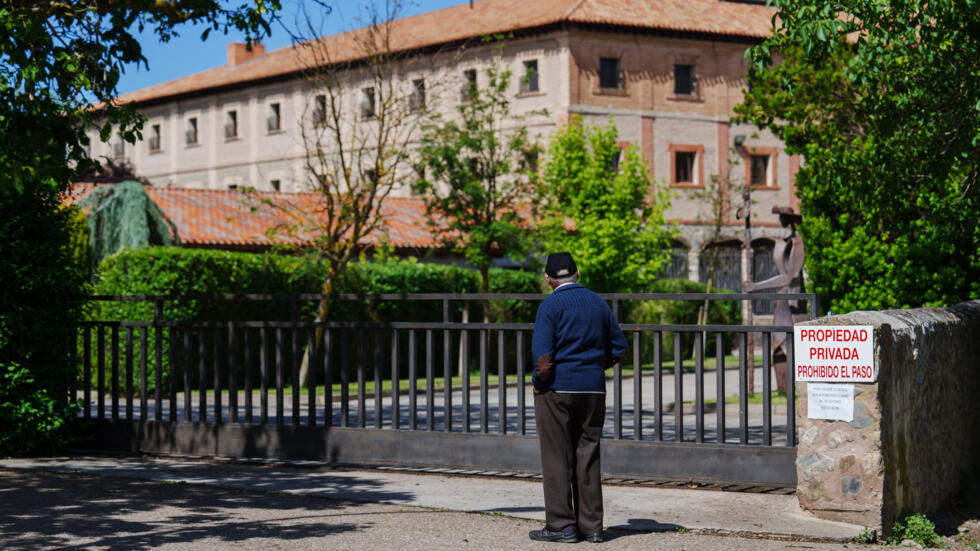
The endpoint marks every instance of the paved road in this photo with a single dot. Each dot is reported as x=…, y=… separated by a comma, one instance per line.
x=512, y=418
x=59, y=510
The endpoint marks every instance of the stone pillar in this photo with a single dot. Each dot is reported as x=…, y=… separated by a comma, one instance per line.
x=914, y=433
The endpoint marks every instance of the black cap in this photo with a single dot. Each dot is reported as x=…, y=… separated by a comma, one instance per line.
x=560, y=265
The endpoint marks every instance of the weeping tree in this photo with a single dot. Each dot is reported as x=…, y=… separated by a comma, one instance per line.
x=123, y=216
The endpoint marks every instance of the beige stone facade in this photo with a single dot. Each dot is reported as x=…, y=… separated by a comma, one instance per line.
x=686, y=136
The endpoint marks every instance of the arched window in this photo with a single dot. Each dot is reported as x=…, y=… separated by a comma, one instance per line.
x=763, y=268
x=722, y=262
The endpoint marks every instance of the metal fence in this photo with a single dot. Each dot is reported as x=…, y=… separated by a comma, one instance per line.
x=370, y=382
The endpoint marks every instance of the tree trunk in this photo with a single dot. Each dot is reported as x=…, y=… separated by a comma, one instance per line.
x=322, y=312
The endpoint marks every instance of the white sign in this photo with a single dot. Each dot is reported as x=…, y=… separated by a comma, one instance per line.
x=830, y=401
x=834, y=353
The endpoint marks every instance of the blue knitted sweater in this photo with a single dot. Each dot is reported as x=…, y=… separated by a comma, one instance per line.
x=576, y=338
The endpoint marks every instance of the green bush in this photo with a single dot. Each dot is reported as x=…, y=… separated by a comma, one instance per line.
x=915, y=527
x=31, y=421
x=678, y=312
x=179, y=271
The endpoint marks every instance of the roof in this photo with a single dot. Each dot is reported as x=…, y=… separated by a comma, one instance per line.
x=225, y=218
x=715, y=17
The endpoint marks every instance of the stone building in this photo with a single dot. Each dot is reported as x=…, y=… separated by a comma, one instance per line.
x=668, y=72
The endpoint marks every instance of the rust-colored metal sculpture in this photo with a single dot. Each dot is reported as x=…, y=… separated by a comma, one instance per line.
x=788, y=257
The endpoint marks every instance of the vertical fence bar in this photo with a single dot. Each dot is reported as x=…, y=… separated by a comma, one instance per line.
x=521, y=388
x=430, y=407
x=202, y=375
x=327, y=378
x=378, y=358
x=296, y=358
x=172, y=378
x=658, y=386
x=264, y=376
x=311, y=376
x=280, y=377
x=484, y=420
x=501, y=385
x=790, y=392
x=678, y=388
x=248, y=361
x=114, y=383
x=188, y=406
x=234, y=354
x=637, y=388
x=344, y=370
x=743, y=389
x=720, y=386
x=216, y=362
x=618, y=400
x=395, y=383
x=698, y=387
x=144, y=347
x=72, y=396
x=447, y=370
x=361, y=356
x=766, y=391
x=464, y=337
x=129, y=373
x=158, y=374
x=413, y=416
x=87, y=372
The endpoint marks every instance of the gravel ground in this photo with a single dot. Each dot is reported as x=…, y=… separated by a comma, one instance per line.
x=45, y=510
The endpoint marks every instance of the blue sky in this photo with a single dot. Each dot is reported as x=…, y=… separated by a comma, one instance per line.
x=186, y=54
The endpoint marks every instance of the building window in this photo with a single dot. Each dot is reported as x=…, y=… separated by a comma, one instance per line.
x=371, y=176
x=320, y=109
x=274, y=120
x=684, y=79
x=610, y=73
x=469, y=88
x=722, y=263
x=276, y=184
x=763, y=268
x=231, y=124
x=614, y=161
x=529, y=82
x=416, y=101
x=190, y=135
x=367, y=103
x=155, y=138
x=759, y=170
x=685, y=165
x=119, y=148
x=529, y=162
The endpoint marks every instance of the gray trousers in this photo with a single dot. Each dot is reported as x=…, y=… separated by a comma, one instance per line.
x=569, y=428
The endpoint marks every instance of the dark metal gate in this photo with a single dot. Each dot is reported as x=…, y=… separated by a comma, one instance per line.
x=444, y=393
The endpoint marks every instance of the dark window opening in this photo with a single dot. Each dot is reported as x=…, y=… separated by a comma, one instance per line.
x=722, y=263
x=367, y=103
x=276, y=184
x=759, y=171
x=610, y=73
x=320, y=111
x=274, y=121
x=155, y=137
x=763, y=267
x=469, y=89
x=191, y=134
x=529, y=82
x=684, y=167
x=231, y=124
x=417, y=100
x=683, y=79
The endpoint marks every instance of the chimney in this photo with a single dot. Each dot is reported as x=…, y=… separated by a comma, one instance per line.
x=239, y=52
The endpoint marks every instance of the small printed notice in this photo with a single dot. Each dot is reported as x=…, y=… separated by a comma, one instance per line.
x=830, y=401
x=836, y=353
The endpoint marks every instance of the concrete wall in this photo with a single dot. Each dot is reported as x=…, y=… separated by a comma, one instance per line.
x=915, y=431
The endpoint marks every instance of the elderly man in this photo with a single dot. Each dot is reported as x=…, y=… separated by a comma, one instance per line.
x=576, y=338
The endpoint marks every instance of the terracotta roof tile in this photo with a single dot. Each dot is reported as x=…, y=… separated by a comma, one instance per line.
x=722, y=17
x=220, y=218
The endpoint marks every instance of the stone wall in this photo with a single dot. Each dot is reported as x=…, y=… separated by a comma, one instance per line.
x=916, y=430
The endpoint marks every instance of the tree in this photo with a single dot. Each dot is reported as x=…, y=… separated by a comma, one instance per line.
x=883, y=101
x=57, y=59
x=480, y=169
x=598, y=203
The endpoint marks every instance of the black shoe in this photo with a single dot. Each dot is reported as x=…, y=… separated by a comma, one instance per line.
x=594, y=538
x=569, y=534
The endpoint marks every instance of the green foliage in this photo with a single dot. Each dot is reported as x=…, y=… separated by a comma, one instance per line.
x=915, y=527
x=31, y=421
x=676, y=312
x=619, y=240
x=476, y=181
x=78, y=245
x=867, y=535
x=123, y=216
x=889, y=124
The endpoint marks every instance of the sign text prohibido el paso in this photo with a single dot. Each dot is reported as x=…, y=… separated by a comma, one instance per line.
x=834, y=353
